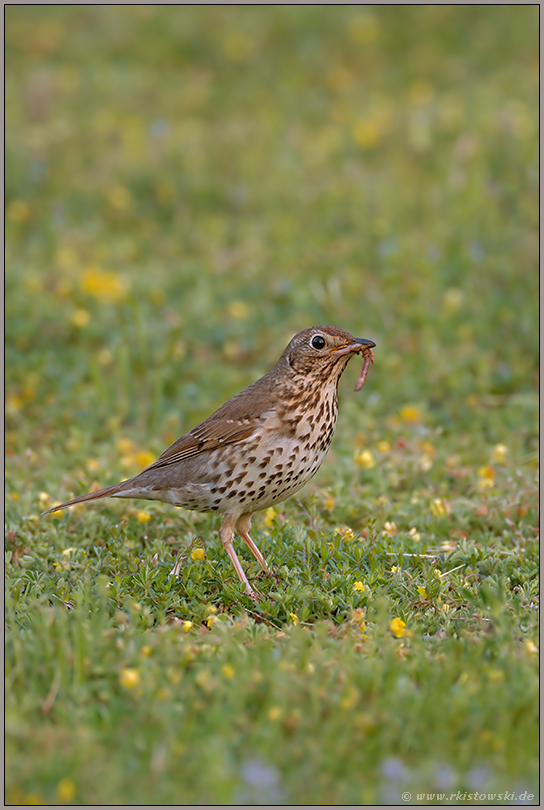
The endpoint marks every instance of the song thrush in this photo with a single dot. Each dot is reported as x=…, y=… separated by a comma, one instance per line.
x=260, y=447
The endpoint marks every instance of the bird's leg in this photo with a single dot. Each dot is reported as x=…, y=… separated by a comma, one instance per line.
x=226, y=535
x=242, y=527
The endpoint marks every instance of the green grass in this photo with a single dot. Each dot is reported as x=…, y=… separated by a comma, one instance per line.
x=187, y=187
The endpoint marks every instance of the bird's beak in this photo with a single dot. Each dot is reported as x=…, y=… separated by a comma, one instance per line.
x=359, y=345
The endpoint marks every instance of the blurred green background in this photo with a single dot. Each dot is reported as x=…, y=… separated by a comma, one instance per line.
x=186, y=188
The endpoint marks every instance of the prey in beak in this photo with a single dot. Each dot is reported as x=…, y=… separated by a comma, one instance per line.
x=359, y=346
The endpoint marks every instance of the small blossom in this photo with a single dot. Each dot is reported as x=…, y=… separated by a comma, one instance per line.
x=227, y=671
x=197, y=554
x=367, y=133
x=274, y=713
x=294, y=618
x=359, y=586
x=425, y=463
x=143, y=516
x=144, y=458
x=439, y=507
x=238, y=310
x=129, y=678
x=499, y=454
x=124, y=445
x=383, y=447
x=487, y=477
x=414, y=534
x=211, y=619
x=365, y=459
x=18, y=211
x=531, y=647
x=445, y=608
x=80, y=318
x=105, y=286
x=410, y=413
x=422, y=592
x=270, y=516
x=187, y=626
x=329, y=503
x=66, y=790
x=397, y=627
x=119, y=198
x=345, y=532
x=389, y=528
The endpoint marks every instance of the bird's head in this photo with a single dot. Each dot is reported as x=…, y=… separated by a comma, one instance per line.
x=323, y=351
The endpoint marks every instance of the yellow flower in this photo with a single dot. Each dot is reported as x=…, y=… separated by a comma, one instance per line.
x=197, y=554
x=499, y=454
x=389, y=528
x=93, y=465
x=453, y=298
x=211, y=620
x=120, y=198
x=270, y=516
x=274, y=713
x=383, y=447
x=145, y=651
x=129, y=678
x=422, y=592
x=144, y=458
x=18, y=211
x=143, y=516
x=80, y=318
x=238, y=310
x=445, y=608
x=367, y=133
x=365, y=459
x=409, y=413
x=66, y=790
x=329, y=503
x=228, y=671
x=359, y=586
x=397, y=627
x=187, y=625
x=439, y=507
x=106, y=287
x=294, y=618
x=531, y=647
x=425, y=462
x=487, y=477
x=345, y=532
x=414, y=534
x=124, y=445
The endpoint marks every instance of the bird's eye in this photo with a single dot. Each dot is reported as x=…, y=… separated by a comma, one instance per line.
x=318, y=342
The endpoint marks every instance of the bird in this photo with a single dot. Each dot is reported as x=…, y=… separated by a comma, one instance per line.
x=259, y=448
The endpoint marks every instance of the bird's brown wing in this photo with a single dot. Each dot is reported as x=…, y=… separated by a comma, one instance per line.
x=207, y=436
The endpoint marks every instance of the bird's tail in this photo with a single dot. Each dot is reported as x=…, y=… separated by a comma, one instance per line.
x=107, y=492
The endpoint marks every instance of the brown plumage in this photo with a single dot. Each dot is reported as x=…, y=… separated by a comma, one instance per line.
x=258, y=448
